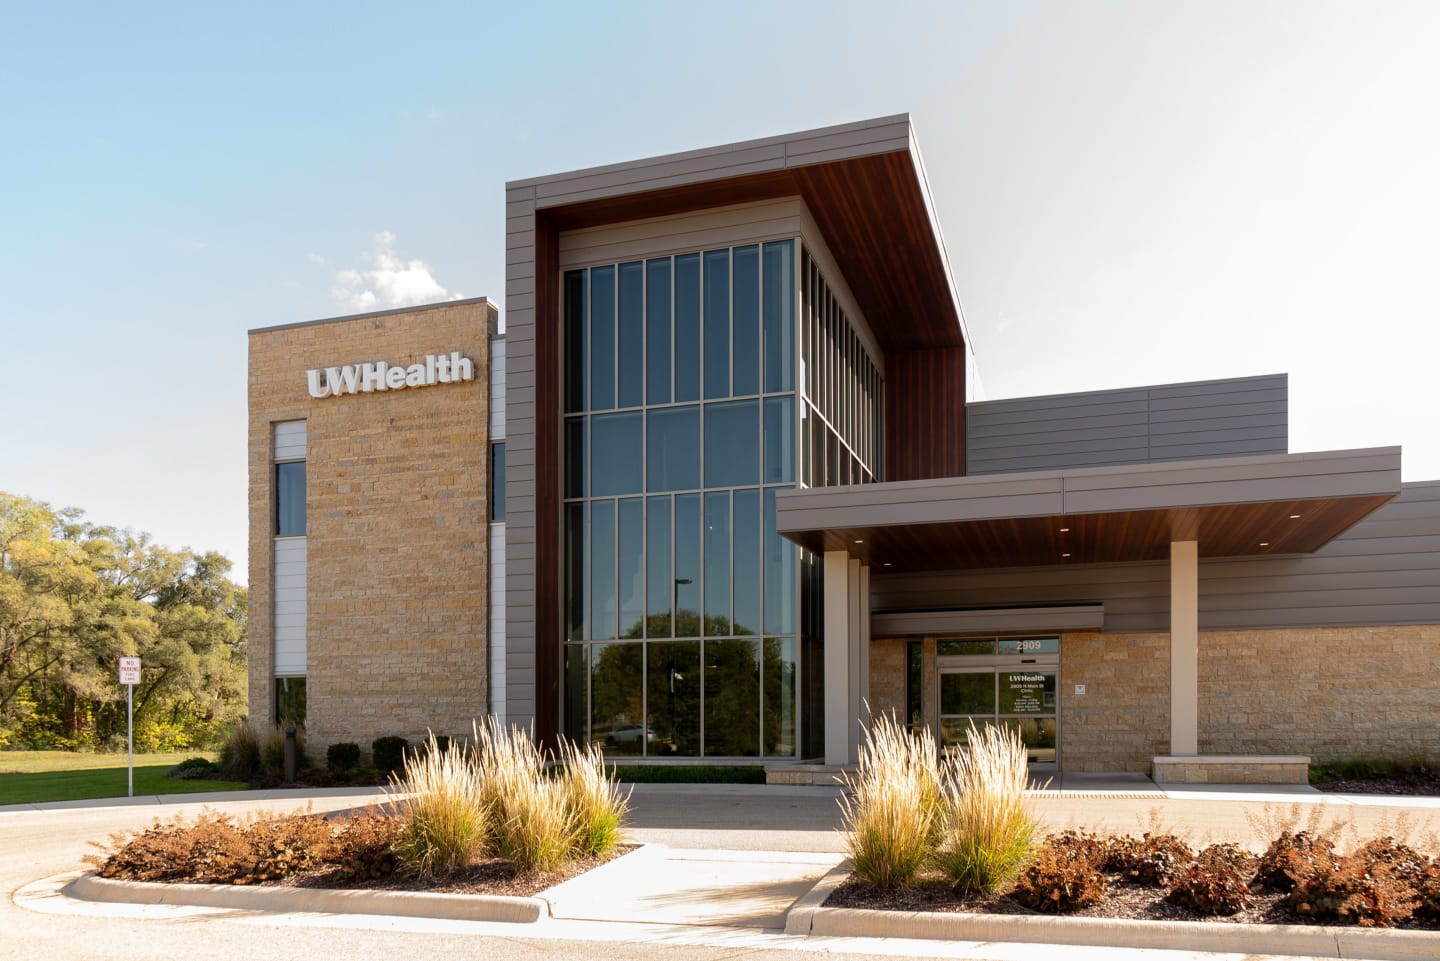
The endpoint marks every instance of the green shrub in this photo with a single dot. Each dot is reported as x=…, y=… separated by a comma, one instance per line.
x=892, y=813
x=1064, y=875
x=388, y=753
x=192, y=768
x=593, y=800
x=342, y=757
x=1214, y=882
x=240, y=754
x=443, y=811
x=987, y=829
x=528, y=811
x=1152, y=859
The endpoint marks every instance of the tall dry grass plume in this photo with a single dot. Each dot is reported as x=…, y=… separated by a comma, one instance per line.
x=891, y=815
x=441, y=801
x=530, y=823
x=988, y=829
x=596, y=806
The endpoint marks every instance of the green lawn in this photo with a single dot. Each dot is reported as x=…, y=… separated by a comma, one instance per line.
x=29, y=776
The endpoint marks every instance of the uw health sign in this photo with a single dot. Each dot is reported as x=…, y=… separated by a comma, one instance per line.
x=450, y=368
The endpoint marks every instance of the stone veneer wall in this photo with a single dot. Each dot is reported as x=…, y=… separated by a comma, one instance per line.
x=887, y=678
x=1326, y=692
x=397, y=526
x=1123, y=718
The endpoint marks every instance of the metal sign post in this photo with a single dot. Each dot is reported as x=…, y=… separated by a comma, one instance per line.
x=130, y=676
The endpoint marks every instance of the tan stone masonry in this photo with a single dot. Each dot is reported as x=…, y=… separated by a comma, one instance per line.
x=1326, y=692
x=397, y=526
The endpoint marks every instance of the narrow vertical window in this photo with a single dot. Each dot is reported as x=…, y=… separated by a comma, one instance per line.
x=497, y=481
x=745, y=322
x=779, y=310
x=717, y=323
x=602, y=338
x=657, y=332
x=630, y=382
x=687, y=327
x=290, y=499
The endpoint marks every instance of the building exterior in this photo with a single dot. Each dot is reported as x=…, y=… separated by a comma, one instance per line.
x=747, y=501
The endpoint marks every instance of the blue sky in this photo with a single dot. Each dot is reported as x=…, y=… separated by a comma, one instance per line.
x=1131, y=193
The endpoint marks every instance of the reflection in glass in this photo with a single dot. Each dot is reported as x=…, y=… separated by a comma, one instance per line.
x=778, y=709
x=290, y=499
x=747, y=566
x=732, y=448
x=1029, y=645
x=574, y=341
x=575, y=457
x=966, y=693
x=780, y=439
x=617, y=705
x=577, y=689
x=630, y=385
x=657, y=331
x=780, y=588
x=659, y=578
x=672, y=672
x=745, y=322
x=717, y=323
x=673, y=449
x=631, y=567
x=947, y=648
x=602, y=338
x=687, y=565
x=576, y=626
x=602, y=570
x=732, y=692
x=717, y=563
x=616, y=454
x=687, y=327
x=779, y=308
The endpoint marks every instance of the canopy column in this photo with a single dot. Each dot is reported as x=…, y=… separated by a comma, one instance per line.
x=1184, y=648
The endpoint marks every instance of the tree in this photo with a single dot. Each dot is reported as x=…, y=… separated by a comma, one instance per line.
x=75, y=597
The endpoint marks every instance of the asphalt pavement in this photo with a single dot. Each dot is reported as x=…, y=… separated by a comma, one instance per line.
x=724, y=862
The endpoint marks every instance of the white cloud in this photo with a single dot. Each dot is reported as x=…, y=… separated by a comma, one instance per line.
x=315, y=258
x=388, y=280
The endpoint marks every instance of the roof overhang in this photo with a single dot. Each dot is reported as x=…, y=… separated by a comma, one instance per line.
x=863, y=183
x=1237, y=506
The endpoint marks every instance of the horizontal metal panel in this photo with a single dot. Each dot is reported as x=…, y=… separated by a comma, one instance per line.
x=1009, y=465
x=995, y=620
x=290, y=440
x=1001, y=438
x=1235, y=385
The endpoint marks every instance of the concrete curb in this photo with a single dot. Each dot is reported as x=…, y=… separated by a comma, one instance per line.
x=807, y=917
x=450, y=907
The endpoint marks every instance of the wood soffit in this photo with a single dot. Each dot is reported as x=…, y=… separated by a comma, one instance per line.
x=873, y=213
x=1228, y=530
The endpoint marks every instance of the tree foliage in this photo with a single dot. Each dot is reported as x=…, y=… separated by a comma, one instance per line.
x=75, y=597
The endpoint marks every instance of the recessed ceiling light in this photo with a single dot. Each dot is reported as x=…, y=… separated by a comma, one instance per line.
x=1064, y=555
x=887, y=563
x=1264, y=543
x=1064, y=530
x=859, y=541
x=1294, y=517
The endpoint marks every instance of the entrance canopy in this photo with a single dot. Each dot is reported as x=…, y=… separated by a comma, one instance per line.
x=1272, y=504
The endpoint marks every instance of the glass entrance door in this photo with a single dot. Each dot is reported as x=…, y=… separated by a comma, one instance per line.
x=1009, y=682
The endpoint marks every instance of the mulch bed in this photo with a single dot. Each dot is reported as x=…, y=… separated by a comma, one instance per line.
x=1423, y=785
x=485, y=877
x=1125, y=900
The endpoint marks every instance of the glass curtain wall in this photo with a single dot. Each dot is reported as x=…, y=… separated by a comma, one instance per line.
x=841, y=442
x=681, y=603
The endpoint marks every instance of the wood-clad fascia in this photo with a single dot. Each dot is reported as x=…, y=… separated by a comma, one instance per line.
x=924, y=413
x=548, y=659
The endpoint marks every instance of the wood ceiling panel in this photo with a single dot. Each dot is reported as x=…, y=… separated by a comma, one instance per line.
x=1230, y=530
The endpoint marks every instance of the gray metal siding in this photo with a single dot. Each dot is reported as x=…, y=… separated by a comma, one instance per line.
x=1384, y=570
x=520, y=455
x=1192, y=421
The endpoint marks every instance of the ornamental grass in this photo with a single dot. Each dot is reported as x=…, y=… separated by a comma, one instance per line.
x=891, y=816
x=530, y=823
x=595, y=805
x=441, y=804
x=987, y=829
